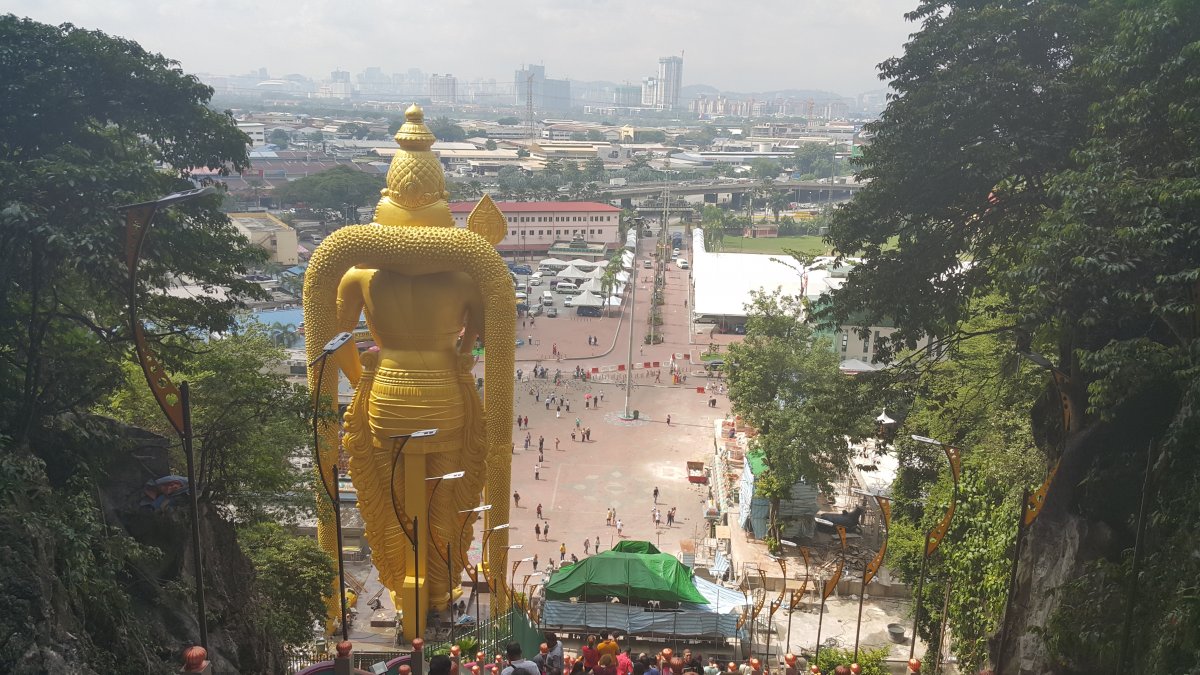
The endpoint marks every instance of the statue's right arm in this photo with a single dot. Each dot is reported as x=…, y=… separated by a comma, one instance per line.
x=349, y=309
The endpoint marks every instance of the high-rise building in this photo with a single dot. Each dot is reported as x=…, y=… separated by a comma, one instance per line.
x=627, y=95
x=547, y=94
x=670, y=82
x=443, y=88
x=650, y=90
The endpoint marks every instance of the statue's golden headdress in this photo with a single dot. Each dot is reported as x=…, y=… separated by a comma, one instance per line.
x=416, y=188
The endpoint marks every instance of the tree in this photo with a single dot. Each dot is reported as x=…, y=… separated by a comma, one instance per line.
x=508, y=121
x=294, y=574
x=713, y=220
x=1065, y=172
x=446, y=130
x=279, y=138
x=89, y=122
x=571, y=173
x=332, y=188
x=355, y=130
x=247, y=422
x=777, y=201
x=490, y=144
x=578, y=136
x=639, y=162
x=785, y=381
x=593, y=169
x=594, y=135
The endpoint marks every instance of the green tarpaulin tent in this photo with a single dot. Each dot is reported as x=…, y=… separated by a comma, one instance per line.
x=634, y=546
x=629, y=576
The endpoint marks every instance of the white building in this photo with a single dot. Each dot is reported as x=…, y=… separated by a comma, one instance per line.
x=257, y=131
x=534, y=227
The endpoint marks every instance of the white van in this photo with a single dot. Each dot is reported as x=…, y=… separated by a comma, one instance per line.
x=683, y=263
x=521, y=297
x=535, y=279
x=568, y=288
x=547, y=299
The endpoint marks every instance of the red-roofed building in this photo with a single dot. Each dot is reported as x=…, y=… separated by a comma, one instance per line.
x=534, y=227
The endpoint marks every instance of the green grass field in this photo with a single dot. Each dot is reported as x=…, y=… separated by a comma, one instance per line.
x=810, y=244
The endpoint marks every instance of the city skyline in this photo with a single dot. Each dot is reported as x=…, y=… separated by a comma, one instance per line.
x=824, y=44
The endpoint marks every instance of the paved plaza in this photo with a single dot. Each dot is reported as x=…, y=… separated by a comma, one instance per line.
x=577, y=481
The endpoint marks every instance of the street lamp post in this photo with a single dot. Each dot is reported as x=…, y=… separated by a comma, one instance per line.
x=474, y=572
x=413, y=535
x=334, y=493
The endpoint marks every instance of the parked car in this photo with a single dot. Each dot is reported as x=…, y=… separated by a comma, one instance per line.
x=587, y=311
x=519, y=269
x=551, y=312
x=567, y=301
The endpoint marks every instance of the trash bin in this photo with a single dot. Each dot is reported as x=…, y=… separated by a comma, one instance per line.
x=635, y=414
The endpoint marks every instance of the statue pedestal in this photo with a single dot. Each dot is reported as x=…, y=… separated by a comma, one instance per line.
x=408, y=606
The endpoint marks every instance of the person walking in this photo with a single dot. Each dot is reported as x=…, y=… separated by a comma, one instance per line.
x=620, y=527
x=546, y=530
x=517, y=499
x=587, y=546
x=655, y=494
x=562, y=551
x=556, y=442
x=572, y=435
x=541, y=442
x=539, y=511
x=608, y=517
x=535, y=562
x=537, y=471
x=537, y=532
x=668, y=420
x=597, y=546
x=541, y=456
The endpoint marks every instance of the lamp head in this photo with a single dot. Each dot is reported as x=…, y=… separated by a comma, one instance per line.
x=927, y=440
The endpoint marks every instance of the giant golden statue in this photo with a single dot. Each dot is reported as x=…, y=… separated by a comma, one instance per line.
x=429, y=291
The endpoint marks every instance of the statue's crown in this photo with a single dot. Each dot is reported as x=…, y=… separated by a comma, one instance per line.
x=413, y=135
x=415, y=182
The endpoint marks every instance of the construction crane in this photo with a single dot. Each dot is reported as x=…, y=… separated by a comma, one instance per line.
x=529, y=108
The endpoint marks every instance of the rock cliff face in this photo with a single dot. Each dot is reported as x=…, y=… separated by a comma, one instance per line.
x=111, y=589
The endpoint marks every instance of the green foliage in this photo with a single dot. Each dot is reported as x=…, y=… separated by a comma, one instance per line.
x=332, y=188
x=490, y=144
x=355, y=130
x=786, y=383
x=89, y=122
x=508, y=121
x=1066, y=172
x=247, y=421
x=279, y=138
x=446, y=130
x=294, y=575
x=873, y=661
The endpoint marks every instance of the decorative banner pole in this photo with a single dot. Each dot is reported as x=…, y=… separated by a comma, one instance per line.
x=175, y=402
x=797, y=596
x=869, y=571
x=758, y=605
x=828, y=590
x=775, y=605
x=935, y=535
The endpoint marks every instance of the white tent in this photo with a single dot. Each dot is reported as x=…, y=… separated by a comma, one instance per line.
x=582, y=264
x=572, y=272
x=627, y=260
x=622, y=276
x=587, y=299
x=593, y=286
x=552, y=263
x=597, y=273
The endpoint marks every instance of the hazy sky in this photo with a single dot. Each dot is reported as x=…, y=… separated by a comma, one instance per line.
x=734, y=45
